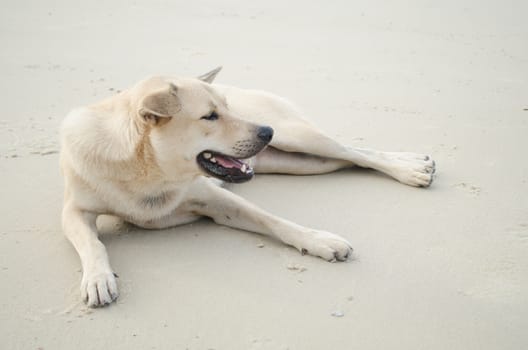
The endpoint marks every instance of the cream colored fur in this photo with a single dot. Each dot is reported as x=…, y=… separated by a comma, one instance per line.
x=133, y=155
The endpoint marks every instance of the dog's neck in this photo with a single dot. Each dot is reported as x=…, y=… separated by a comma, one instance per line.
x=122, y=142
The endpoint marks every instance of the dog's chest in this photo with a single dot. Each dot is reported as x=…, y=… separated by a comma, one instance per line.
x=157, y=201
x=144, y=207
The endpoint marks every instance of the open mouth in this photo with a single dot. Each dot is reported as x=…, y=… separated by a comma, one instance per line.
x=224, y=167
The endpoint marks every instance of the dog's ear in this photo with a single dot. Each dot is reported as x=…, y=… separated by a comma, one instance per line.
x=210, y=76
x=160, y=106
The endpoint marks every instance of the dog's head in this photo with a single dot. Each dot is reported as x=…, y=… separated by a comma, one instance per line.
x=191, y=129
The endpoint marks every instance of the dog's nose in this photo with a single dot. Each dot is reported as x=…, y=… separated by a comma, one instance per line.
x=265, y=133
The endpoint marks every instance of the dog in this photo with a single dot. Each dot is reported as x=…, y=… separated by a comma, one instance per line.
x=157, y=154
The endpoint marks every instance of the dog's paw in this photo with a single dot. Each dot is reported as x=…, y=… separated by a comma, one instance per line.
x=99, y=288
x=412, y=169
x=326, y=245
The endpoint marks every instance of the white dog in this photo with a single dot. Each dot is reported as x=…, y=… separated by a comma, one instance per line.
x=157, y=154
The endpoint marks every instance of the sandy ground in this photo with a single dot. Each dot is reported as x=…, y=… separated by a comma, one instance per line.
x=443, y=268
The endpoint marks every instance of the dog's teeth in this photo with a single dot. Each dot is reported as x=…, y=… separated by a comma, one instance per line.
x=212, y=160
x=243, y=168
x=207, y=155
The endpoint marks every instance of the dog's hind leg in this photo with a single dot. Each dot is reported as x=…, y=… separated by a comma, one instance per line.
x=273, y=160
x=321, y=154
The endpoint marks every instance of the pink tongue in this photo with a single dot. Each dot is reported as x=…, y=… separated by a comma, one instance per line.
x=228, y=162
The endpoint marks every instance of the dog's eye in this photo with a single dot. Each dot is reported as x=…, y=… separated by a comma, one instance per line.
x=212, y=116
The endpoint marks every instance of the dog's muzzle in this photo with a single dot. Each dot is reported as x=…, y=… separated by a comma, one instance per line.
x=233, y=168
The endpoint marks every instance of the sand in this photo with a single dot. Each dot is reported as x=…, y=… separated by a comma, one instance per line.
x=442, y=268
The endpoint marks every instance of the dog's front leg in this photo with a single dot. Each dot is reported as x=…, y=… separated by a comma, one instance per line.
x=98, y=285
x=225, y=208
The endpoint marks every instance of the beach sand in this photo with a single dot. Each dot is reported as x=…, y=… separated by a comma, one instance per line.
x=438, y=268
